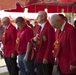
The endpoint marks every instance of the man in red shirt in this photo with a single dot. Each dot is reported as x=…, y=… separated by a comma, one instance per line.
x=24, y=35
x=8, y=39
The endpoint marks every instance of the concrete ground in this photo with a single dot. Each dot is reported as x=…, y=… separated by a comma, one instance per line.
x=3, y=69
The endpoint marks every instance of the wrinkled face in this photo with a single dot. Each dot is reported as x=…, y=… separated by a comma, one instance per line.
x=5, y=23
x=55, y=24
x=41, y=17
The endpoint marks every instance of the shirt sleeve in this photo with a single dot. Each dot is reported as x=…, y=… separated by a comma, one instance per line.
x=29, y=35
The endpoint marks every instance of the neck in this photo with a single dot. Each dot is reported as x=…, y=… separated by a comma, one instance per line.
x=42, y=22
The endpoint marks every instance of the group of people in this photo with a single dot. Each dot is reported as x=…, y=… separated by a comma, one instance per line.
x=35, y=46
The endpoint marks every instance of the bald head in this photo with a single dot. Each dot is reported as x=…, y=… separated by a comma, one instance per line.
x=5, y=21
x=56, y=21
x=42, y=16
x=42, y=13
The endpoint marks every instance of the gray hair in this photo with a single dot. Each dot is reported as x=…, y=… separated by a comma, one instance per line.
x=6, y=19
x=55, y=17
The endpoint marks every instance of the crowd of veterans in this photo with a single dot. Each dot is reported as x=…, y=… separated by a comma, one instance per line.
x=38, y=48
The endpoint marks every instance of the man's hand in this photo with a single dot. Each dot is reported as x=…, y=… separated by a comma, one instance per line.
x=36, y=37
x=13, y=55
x=45, y=61
x=25, y=58
x=72, y=67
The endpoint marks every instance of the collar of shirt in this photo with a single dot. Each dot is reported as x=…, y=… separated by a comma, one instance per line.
x=63, y=26
x=42, y=25
x=8, y=26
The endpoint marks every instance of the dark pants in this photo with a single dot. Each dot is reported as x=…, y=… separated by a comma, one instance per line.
x=30, y=65
x=11, y=65
x=44, y=69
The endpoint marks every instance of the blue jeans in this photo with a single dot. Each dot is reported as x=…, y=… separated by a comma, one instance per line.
x=26, y=68
x=21, y=64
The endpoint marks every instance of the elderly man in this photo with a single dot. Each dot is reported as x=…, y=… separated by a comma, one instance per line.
x=8, y=40
x=44, y=39
x=67, y=37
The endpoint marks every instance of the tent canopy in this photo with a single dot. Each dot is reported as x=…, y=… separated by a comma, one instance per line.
x=52, y=6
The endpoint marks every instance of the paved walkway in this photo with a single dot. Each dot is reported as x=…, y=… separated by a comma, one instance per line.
x=2, y=66
x=3, y=69
x=2, y=62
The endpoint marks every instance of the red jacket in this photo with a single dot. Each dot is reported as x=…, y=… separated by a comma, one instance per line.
x=48, y=38
x=9, y=46
x=67, y=54
x=25, y=36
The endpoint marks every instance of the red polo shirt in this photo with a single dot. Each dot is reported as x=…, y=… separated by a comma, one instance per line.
x=25, y=36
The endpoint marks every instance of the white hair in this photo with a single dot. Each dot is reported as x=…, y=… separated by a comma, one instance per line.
x=55, y=17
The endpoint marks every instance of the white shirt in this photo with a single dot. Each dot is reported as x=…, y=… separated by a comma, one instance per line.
x=63, y=26
x=8, y=26
x=42, y=26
